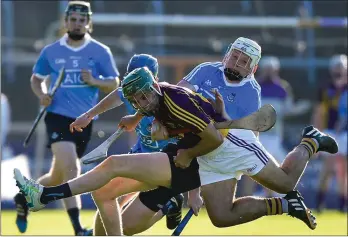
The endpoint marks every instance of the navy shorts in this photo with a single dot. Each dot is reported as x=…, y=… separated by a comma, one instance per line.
x=183, y=180
x=57, y=129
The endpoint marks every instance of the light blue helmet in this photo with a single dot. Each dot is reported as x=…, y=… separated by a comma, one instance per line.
x=143, y=60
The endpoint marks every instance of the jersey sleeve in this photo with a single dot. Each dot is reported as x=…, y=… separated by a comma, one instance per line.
x=184, y=108
x=42, y=68
x=108, y=69
x=197, y=76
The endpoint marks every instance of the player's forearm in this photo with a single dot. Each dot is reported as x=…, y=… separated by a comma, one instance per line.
x=194, y=192
x=35, y=84
x=111, y=101
x=210, y=140
x=106, y=86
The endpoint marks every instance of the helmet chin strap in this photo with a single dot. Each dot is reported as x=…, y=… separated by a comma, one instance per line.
x=75, y=37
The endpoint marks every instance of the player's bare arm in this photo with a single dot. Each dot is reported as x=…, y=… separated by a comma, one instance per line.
x=106, y=86
x=111, y=101
x=129, y=122
x=35, y=83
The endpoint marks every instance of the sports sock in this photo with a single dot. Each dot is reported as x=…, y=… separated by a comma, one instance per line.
x=311, y=145
x=74, y=214
x=342, y=202
x=50, y=194
x=276, y=205
x=320, y=198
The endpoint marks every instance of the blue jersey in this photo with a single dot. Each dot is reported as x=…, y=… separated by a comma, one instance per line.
x=343, y=108
x=75, y=97
x=143, y=130
x=240, y=99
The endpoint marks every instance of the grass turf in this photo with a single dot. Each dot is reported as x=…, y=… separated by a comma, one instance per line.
x=56, y=222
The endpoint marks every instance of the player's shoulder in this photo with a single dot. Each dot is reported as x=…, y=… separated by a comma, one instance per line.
x=251, y=83
x=174, y=90
x=52, y=46
x=210, y=66
x=99, y=45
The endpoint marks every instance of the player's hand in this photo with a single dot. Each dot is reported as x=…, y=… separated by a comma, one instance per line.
x=87, y=77
x=158, y=131
x=218, y=103
x=182, y=159
x=195, y=202
x=45, y=100
x=129, y=122
x=81, y=122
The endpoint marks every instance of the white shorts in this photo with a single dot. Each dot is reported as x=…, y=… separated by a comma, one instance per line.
x=341, y=139
x=240, y=153
x=273, y=145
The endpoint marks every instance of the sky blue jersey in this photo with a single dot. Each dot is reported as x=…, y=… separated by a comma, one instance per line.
x=343, y=108
x=143, y=130
x=75, y=97
x=240, y=99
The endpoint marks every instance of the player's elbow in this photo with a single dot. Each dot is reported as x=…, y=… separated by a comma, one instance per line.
x=216, y=138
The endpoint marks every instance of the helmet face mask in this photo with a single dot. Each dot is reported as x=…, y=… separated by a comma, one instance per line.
x=145, y=101
x=237, y=64
x=241, y=59
x=140, y=88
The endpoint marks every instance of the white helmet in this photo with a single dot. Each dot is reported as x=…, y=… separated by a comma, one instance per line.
x=338, y=60
x=249, y=47
x=270, y=61
x=232, y=66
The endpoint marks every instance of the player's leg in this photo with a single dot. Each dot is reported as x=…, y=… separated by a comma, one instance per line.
x=152, y=168
x=148, y=208
x=326, y=172
x=67, y=147
x=98, y=227
x=242, y=153
x=108, y=208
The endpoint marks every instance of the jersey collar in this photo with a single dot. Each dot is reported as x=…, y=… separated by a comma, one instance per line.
x=63, y=42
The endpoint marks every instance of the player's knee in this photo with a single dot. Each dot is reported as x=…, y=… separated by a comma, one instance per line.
x=99, y=196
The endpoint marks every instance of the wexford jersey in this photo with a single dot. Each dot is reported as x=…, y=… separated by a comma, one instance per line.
x=74, y=97
x=329, y=98
x=240, y=99
x=184, y=112
x=275, y=92
x=143, y=130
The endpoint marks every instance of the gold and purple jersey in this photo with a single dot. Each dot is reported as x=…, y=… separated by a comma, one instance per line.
x=183, y=111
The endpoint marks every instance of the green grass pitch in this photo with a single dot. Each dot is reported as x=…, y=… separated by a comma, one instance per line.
x=56, y=222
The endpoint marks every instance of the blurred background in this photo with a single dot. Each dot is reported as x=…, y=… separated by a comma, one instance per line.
x=302, y=35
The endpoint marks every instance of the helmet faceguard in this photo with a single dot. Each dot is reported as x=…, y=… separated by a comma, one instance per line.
x=140, y=88
x=241, y=59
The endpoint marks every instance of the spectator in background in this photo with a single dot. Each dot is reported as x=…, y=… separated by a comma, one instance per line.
x=326, y=117
x=5, y=119
x=278, y=93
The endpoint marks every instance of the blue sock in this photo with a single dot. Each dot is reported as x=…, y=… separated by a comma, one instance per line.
x=74, y=214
